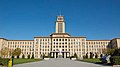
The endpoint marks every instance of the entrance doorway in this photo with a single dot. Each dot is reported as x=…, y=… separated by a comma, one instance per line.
x=60, y=55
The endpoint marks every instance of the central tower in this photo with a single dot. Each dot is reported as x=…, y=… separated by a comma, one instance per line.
x=60, y=24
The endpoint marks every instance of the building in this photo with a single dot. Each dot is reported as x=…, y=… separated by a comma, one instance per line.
x=114, y=43
x=58, y=43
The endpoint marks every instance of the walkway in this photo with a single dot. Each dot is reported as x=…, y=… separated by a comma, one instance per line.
x=59, y=63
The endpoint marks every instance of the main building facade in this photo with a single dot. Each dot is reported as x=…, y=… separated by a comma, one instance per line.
x=57, y=42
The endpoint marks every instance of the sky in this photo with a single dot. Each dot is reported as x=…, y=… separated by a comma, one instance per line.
x=24, y=19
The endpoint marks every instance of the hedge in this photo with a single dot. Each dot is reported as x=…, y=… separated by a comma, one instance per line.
x=4, y=61
x=115, y=60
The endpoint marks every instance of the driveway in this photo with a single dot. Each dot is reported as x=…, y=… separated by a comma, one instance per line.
x=59, y=63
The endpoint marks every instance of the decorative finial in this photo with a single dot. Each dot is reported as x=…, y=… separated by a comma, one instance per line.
x=60, y=13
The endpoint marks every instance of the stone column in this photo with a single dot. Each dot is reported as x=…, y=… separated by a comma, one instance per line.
x=64, y=55
x=52, y=54
x=55, y=54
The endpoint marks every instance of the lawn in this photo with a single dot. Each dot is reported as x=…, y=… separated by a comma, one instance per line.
x=20, y=61
x=94, y=60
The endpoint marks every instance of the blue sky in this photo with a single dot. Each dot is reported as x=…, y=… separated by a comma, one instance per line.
x=24, y=19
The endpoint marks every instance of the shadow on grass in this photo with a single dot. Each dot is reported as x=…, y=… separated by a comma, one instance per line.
x=103, y=64
x=98, y=63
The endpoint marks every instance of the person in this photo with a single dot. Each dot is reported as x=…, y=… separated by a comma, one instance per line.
x=10, y=62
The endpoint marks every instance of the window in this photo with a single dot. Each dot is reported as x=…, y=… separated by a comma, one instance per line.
x=56, y=43
x=83, y=39
x=66, y=46
x=60, y=18
x=59, y=39
x=60, y=26
x=36, y=42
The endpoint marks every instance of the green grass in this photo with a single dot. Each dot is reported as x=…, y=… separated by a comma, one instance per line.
x=94, y=60
x=20, y=61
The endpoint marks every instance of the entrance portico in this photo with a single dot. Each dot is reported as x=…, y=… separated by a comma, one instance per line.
x=56, y=54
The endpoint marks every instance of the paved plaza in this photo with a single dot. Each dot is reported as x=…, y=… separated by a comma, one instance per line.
x=59, y=63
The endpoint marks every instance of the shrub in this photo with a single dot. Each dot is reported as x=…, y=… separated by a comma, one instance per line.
x=4, y=61
x=115, y=60
x=116, y=52
x=28, y=56
x=23, y=56
x=46, y=57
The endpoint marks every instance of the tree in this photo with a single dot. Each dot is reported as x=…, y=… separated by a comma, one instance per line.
x=109, y=51
x=23, y=56
x=28, y=56
x=12, y=56
x=86, y=55
x=101, y=55
x=32, y=56
x=18, y=56
x=75, y=55
x=16, y=52
x=10, y=52
x=43, y=56
x=91, y=55
x=116, y=52
x=4, y=51
x=96, y=55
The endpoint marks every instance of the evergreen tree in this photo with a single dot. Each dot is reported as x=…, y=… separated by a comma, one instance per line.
x=23, y=56
x=91, y=55
x=86, y=55
x=28, y=56
x=32, y=56
x=96, y=56
x=101, y=55
x=75, y=55
x=18, y=56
